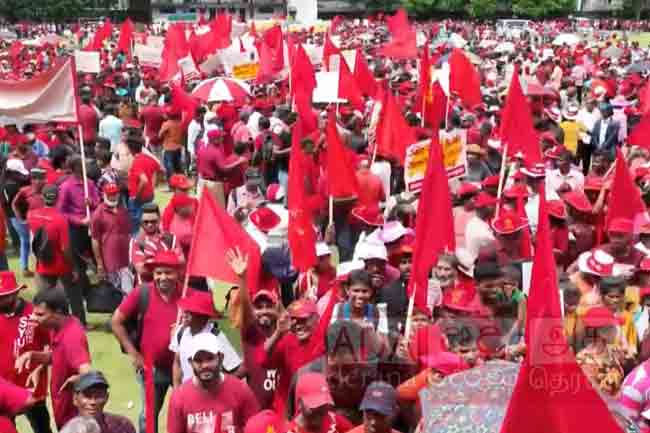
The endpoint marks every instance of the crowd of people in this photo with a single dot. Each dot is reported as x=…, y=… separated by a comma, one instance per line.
x=337, y=347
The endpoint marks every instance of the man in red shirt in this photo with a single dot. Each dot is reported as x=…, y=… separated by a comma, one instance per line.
x=13, y=400
x=20, y=335
x=29, y=197
x=69, y=357
x=211, y=401
x=214, y=167
x=153, y=117
x=371, y=190
x=156, y=320
x=88, y=118
x=141, y=180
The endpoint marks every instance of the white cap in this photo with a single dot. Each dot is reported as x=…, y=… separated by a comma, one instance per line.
x=347, y=267
x=204, y=342
x=322, y=249
x=17, y=165
x=372, y=250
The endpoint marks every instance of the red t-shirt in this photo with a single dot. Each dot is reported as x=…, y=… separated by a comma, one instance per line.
x=263, y=381
x=28, y=199
x=69, y=352
x=89, y=122
x=56, y=226
x=12, y=398
x=224, y=410
x=153, y=118
x=159, y=319
x=20, y=335
x=142, y=164
x=371, y=190
x=332, y=423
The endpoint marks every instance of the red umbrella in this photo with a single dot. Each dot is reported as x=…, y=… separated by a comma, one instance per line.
x=222, y=89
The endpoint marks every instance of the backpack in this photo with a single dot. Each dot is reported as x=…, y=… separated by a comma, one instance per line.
x=42, y=246
x=134, y=324
x=215, y=331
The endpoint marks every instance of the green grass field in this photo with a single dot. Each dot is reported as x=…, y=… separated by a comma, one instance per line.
x=642, y=38
x=107, y=357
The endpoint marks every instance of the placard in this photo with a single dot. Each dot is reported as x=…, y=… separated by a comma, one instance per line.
x=245, y=71
x=147, y=55
x=87, y=61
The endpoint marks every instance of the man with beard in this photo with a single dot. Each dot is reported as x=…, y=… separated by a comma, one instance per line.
x=155, y=311
x=621, y=246
x=259, y=318
x=375, y=258
x=211, y=401
x=90, y=397
x=394, y=295
x=19, y=336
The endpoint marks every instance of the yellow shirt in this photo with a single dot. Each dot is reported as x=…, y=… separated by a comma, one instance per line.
x=572, y=131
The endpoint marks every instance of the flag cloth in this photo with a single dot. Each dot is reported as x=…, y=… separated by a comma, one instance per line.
x=539, y=404
x=186, y=103
x=329, y=49
x=434, y=224
x=644, y=99
x=103, y=32
x=273, y=39
x=47, y=97
x=125, y=41
x=401, y=47
x=640, y=134
x=436, y=111
x=517, y=129
x=176, y=48
x=341, y=172
x=348, y=87
x=464, y=79
x=214, y=233
x=393, y=134
x=365, y=78
x=303, y=77
x=398, y=24
x=265, y=72
x=424, y=94
x=625, y=198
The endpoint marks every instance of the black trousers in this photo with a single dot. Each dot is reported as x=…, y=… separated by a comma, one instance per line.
x=584, y=155
x=39, y=418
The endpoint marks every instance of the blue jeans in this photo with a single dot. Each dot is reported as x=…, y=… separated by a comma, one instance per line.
x=135, y=213
x=172, y=161
x=23, y=233
x=162, y=380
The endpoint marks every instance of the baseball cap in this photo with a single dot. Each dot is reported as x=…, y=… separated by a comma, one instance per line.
x=90, y=379
x=204, y=342
x=302, y=308
x=312, y=389
x=268, y=294
x=380, y=397
x=266, y=421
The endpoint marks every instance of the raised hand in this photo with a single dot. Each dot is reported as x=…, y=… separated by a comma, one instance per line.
x=237, y=261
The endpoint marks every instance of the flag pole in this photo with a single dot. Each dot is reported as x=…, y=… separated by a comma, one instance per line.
x=502, y=172
x=83, y=169
x=409, y=315
x=331, y=209
x=447, y=112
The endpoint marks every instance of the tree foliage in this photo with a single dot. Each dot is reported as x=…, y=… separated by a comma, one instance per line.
x=43, y=10
x=429, y=7
x=482, y=8
x=542, y=8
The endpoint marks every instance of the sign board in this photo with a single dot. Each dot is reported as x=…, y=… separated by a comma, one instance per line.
x=156, y=41
x=245, y=71
x=187, y=67
x=148, y=55
x=454, y=158
x=314, y=52
x=327, y=88
x=87, y=61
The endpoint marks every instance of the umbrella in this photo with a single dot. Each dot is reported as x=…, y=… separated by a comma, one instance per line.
x=534, y=89
x=505, y=47
x=222, y=89
x=612, y=52
x=567, y=38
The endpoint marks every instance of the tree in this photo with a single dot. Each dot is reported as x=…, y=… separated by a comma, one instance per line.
x=41, y=10
x=542, y=8
x=482, y=8
x=429, y=7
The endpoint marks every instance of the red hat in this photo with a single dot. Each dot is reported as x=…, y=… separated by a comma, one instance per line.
x=556, y=209
x=483, y=199
x=213, y=134
x=594, y=183
x=490, y=181
x=555, y=152
x=8, y=284
x=368, y=215
x=275, y=192
x=199, y=302
x=578, y=200
x=596, y=262
x=644, y=291
x=644, y=265
x=508, y=222
x=467, y=188
x=302, y=308
x=621, y=225
x=180, y=181
x=264, y=219
x=312, y=389
x=88, y=78
x=164, y=258
x=445, y=363
x=518, y=190
x=266, y=421
x=599, y=317
x=111, y=188
x=270, y=295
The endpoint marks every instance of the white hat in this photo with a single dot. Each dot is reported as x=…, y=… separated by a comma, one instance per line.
x=322, y=249
x=15, y=164
x=204, y=342
x=465, y=261
x=347, y=267
x=596, y=262
x=392, y=231
x=372, y=250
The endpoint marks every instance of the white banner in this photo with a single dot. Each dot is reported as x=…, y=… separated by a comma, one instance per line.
x=148, y=55
x=327, y=88
x=156, y=41
x=87, y=61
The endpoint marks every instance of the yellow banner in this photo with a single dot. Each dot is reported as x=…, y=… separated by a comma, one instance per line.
x=245, y=71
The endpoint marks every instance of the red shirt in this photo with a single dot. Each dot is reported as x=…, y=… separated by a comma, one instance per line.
x=12, y=400
x=210, y=163
x=153, y=118
x=371, y=190
x=69, y=352
x=156, y=329
x=224, y=410
x=142, y=164
x=332, y=423
x=261, y=380
x=56, y=226
x=112, y=228
x=89, y=122
x=21, y=335
x=28, y=199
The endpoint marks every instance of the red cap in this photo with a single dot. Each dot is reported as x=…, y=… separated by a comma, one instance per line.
x=490, y=181
x=369, y=215
x=599, y=317
x=312, y=389
x=111, y=188
x=164, y=258
x=8, y=284
x=266, y=421
x=518, y=190
x=645, y=264
x=508, y=222
x=483, y=199
x=270, y=295
x=180, y=181
x=199, y=302
x=556, y=209
x=467, y=188
x=302, y=308
x=621, y=225
x=578, y=200
x=264, y=219
x=275, y=192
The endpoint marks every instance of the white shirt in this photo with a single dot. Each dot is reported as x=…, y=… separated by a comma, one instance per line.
x=532, y=208
x=555, y=179
x=110, y=127
x=604, y=123
x=183, y=345
x=588, y=120
x=193, y=131
x=478, y=233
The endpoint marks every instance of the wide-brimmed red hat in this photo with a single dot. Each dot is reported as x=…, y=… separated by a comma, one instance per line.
x=596, y=262
x=467, y=188
x=264, y=219
x=164, y=258
x=600, y=317
x=518, y=190
x=370, y=215
x=8, y=284
x=483, y=199
x=490, y=181
x=621, y=225
x=111, y=188
x=180, y=181
x=578, y=200
x=557, y=209
x=199, y=302
x=508, y=222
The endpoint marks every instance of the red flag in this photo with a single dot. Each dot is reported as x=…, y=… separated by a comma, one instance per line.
x=303, y=77
x=265, y=72
x=625, y=199
x=175, y=48
x=434, y=224
x=335, y=23
x=393, y=134
x=640, y=134
x=402, y=47
x=214, y=233
x=102, y=33
x=15, y=49
x=537, y=404
x=221, y=28
x=186, y=103
x=341, y=172
x=273, y=39
x=348, y=87
x=398, y=24
x=292, y=45
x=436, y=110
x=424, y=94
x=464, y=79
x=126, y=37
x=363, y=75
x=329, y=49
x=644, y=98
x=517, y=129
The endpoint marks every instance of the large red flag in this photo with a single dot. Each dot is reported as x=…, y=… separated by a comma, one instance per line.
x=273, y=39
x=436, y=109
x=102, y=33
x=175, y=48
x=517, y=129
x=625, y=198
x=393, y=134
x=552, y=394
x=434, y=224
x=15, y=49
x=640, y=134
x=214, y=233
x=401, y=47
x=464, y=79
x=329, y=49
x=303, y=77
x=186, y=103
x=348, y=87
x=341, y=172
x=265, y=72
x=365, y=78
x=338, y=19
x=398, y=24
x=126, y=37
x=424, y=94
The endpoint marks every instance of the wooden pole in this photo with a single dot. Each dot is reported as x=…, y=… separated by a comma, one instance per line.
x=502, y=173
x=83, y=169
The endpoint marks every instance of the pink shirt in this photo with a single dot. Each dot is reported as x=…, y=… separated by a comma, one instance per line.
x=634, y=397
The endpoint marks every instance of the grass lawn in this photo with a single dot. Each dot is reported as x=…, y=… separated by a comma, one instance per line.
x=642, y=38
x=107, y=357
